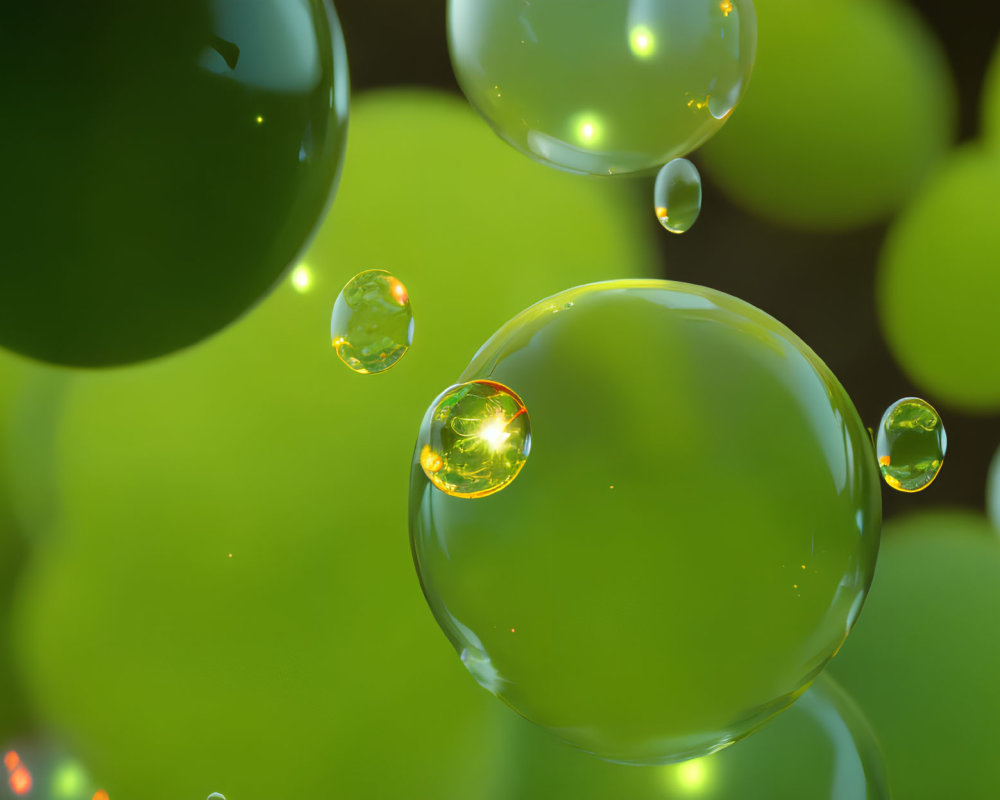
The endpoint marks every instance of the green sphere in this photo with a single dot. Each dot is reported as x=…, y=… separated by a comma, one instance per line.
x=310, y=649
x=924, y=659
x=690, y=540
x=938, y=286
x=820, y=748
x=851, y=104
x=164, y=162
x=603, y=87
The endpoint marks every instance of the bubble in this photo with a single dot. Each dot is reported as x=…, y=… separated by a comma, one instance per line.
x=372, y=323
x=677, y=195
x=911, y=444
x=612, y=87
x=169, y=168
x=669, y=616
x=216, y=796
x=475, y=439
x=821, y=748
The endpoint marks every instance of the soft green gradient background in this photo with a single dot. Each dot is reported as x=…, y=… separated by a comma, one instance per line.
x=146, y=206
x=923, y=659
x=307, y=664
x=850, y=104
x=690, y=540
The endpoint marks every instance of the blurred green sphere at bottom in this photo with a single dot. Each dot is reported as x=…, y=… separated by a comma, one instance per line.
x=821, y=748
x=923, y=659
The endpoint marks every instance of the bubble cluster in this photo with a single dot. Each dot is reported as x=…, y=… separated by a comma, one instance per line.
x=910, y=444
x=372, y=322
x=475, y=439
x=694, y=536
x=677, y=195
x=612, y=87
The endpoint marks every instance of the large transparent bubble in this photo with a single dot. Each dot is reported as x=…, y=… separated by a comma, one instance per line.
x=691, y=539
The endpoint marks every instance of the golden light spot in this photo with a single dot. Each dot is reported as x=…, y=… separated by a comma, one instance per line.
x=698, y=105
x=494, y=432
x=512, y=630
x=885, y=461
x=661, y=213
x=339, y=342
x=691, y=776
x=259, y=119
x=802, y=565
x=429, y=460
x=726, y=6
x=398, y=291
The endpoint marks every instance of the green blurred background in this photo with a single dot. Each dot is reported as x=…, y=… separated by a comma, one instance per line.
x=306, y=662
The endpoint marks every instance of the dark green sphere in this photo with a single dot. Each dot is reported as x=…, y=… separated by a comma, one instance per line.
x=163, y=163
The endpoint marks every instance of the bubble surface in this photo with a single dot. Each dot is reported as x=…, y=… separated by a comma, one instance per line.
x=821, y=748
x=911, y=444
x=612, y=87
x=475, y=439
x=677, y=195
x=216, y=796
x=169, y=166
x=372, y=322
x=694, y=536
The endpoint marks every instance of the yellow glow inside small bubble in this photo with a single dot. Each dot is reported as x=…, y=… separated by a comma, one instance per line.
x=302, y=278
x=690, y=776
x=642, y=41
x=494, y=433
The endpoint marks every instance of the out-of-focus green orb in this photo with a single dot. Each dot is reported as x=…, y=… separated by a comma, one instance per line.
x=163, y=164
x=226, y=599
x=690, y=539
x=850, y=105
x=821, y=748
x=922, y=662
x=939, y=286
x=603, y=87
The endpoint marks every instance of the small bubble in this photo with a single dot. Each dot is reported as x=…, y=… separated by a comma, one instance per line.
x=477, y=439
x=911, y=444
x=372, y=323
x=216, y=796
x=677, y=195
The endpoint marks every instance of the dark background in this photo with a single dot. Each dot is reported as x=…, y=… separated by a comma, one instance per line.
x=820, y=285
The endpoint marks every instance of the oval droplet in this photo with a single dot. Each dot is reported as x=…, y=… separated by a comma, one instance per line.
x=372, y=323
x=677, y=195
x=911, y=444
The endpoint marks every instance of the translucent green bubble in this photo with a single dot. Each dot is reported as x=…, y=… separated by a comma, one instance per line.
x=694, y=535
x=475, y=439
x=938, y=287
x=911, y=444
x=923, y=661
x=677, y=195
x=821, y=748
x=821, y=143
x=167, y=166
x=610, y=87
x=372, y=323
